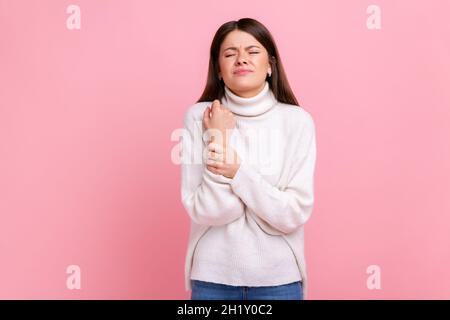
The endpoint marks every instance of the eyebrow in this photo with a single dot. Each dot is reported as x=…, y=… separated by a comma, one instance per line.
x=235, y=48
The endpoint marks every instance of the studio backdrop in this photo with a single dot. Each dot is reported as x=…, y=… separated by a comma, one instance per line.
x=92, y=97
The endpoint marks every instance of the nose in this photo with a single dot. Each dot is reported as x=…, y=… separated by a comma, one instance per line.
x=241, y=59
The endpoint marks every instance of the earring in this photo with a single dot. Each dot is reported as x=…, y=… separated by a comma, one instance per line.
x=269, y=74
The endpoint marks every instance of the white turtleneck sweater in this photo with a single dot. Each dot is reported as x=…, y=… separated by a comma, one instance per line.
x=248, y=230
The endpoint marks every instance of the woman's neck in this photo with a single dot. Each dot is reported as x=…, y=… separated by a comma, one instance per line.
x=251, y=106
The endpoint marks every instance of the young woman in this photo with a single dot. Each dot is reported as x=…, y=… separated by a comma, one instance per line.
x=247, y=173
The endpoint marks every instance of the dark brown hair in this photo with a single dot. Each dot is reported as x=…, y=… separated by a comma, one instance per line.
x=278, y=82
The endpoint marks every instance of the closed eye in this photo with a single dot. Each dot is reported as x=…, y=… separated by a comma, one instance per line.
x=230, y=55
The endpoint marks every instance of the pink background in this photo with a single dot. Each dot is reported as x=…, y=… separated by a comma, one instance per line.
x=86, y=116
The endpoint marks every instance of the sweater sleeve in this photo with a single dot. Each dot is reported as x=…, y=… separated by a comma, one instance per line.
x=207, y=197
x=287, y=209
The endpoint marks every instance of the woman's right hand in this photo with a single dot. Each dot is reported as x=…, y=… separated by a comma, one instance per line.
x=219, y=121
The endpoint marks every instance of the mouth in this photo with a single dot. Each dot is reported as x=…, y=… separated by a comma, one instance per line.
x=242, y=72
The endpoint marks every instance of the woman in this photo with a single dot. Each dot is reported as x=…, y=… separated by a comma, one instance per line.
x=247, y=173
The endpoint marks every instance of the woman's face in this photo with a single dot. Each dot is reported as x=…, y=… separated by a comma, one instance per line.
x=241, y=51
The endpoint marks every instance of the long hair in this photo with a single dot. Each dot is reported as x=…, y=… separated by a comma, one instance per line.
x=278, y=82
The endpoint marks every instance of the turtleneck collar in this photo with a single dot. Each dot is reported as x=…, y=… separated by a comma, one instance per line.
x=253, y=106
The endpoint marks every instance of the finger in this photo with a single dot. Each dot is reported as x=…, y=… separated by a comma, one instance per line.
x=214, y=163
x=215, y=105
x=215, y=147
x=215, y=156
x=214, y=170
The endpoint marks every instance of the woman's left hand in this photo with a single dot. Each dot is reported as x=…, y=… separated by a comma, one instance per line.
x=224, y=161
